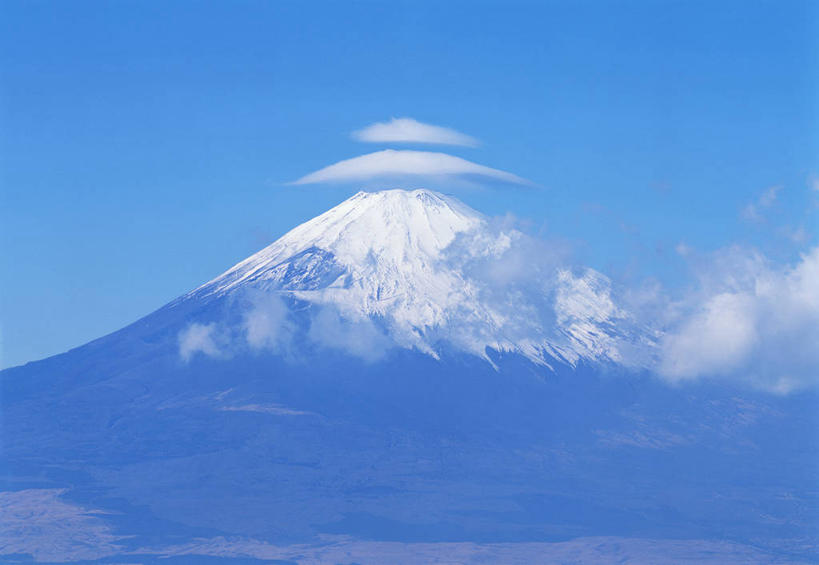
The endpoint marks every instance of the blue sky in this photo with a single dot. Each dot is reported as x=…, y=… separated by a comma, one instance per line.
x=147, y=147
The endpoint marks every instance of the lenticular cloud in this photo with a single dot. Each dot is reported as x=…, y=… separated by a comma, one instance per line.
x=391, y=163
x=407, y=130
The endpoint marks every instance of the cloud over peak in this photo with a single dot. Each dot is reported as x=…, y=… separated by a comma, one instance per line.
x=391, y=163
x=408, y=130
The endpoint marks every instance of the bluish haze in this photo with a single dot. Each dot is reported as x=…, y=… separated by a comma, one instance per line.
x=146, y=148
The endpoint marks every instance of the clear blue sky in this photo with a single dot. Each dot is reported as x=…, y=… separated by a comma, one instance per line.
x=146, y=145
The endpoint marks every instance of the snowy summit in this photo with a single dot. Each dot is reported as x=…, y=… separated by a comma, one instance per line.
x=434, y=273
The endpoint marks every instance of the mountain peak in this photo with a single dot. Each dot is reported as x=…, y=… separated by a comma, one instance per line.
x=404, y=197
x=433, y=271
x=393, y=233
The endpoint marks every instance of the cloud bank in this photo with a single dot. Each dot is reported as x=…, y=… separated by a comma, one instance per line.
x=267, y=324
x=744, y=320
x=407, y=130
x=391, y=163
x=749, y=321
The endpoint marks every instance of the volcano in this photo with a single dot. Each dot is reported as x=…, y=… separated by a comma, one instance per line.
x=398, y=380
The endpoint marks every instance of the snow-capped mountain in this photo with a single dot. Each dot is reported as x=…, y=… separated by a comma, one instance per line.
x=332, y=392
x=435, y=273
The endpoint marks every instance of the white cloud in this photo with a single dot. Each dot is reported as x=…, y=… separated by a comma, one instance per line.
x=357, y=337
x=753, y=212
x=392, y=163
x=266, y=324
x=407, y=130
x=799, y=235
x=716, y=339
x=750, y=322
x=198, y=338
x=683, y=249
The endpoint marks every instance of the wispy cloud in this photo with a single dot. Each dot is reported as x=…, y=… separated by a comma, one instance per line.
x=407, y=130
x=754, y=211
x=198, y=338
x=683, y=249
x=391, y=163
x=266, y=323
x=359, y=338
